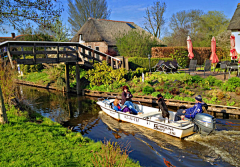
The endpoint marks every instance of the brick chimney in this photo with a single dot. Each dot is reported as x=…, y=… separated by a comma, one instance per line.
x=13, y=35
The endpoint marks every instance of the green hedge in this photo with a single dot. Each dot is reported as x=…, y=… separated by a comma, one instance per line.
x=137, y=62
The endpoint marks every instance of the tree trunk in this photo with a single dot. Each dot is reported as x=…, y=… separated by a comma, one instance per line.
x=3, y=114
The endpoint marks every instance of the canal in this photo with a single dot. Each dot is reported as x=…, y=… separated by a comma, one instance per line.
x=150, y=148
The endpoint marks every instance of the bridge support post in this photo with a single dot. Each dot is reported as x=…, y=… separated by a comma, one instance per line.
x=67, y=77
x=126, y=63
x=78, y=79
x=112, y=62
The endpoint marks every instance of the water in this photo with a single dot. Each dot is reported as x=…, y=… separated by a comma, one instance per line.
x=150, y=148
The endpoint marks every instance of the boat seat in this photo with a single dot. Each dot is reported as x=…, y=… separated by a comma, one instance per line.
x=149, y=114
x=181, y=123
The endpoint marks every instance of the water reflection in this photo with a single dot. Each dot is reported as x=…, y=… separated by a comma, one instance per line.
x=149, y=147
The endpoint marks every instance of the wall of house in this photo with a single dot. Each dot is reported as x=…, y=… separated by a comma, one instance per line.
x=103, y=47
x=237, y=40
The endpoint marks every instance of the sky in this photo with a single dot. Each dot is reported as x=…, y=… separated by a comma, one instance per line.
x=134, y=10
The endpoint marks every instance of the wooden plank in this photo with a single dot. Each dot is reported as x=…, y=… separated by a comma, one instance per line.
x=58, y=52
x=41, y=52
x=78, y=80
x=9, y=56
x=67, y=78
x=34, y=54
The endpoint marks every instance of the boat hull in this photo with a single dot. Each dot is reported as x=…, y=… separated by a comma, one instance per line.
x=149, y=122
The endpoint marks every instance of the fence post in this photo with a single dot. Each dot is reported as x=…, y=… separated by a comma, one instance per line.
x=3, y=114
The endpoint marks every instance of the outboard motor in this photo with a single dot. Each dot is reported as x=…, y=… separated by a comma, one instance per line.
x=204, y=123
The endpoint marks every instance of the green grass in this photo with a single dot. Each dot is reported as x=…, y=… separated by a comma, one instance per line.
x=36, y=77
x=25, y=143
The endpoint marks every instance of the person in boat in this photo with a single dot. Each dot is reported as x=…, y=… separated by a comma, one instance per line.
x=127, y=100
x=190, y=112
x=117, y=107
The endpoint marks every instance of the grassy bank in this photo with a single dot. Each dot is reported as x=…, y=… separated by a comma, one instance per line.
x=38, y=141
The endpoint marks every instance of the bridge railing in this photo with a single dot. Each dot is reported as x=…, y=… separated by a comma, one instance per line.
x=54, y=52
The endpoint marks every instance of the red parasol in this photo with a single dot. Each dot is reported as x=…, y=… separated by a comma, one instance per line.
x=233, y=52
x=214, y=57
x=190, y=47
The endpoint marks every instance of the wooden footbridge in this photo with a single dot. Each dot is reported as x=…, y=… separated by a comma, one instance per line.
x=69, y=53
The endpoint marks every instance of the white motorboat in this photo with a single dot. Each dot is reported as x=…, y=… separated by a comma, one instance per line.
x=152, y=118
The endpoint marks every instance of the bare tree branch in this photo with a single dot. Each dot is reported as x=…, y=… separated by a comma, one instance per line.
x=154, y=19
x=81, y=10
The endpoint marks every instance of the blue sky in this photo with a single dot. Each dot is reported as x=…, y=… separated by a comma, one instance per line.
x=134, y=10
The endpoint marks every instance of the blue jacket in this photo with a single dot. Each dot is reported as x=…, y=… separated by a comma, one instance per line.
x=191, y=112
x=117, y=108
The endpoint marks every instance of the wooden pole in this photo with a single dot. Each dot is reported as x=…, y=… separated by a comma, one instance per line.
x=34, y=53
x=9, y=56
x=58, y=53
x=112, y=62
x=3, y=114
x=67, y=77
x=78, y=79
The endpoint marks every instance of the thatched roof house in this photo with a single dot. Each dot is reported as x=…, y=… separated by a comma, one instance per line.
x=100, y=34
x=12, y=38
x=235, y=21
x=234, y=26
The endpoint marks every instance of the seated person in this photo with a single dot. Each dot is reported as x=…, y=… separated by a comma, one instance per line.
x=117, y=107
x=126, y=100
x=191, y=112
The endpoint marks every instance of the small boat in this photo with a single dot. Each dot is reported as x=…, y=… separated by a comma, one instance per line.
x=152, y=118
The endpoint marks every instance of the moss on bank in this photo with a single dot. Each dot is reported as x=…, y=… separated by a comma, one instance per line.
x=47, y=143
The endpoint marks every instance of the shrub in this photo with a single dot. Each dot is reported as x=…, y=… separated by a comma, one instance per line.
x=235, y=81
x=196, y=78
x=154, y=94
x=181, y=55
x=138, y=62
x=220, y=95
x=148, y=90
x=178, y=98
x=168, y=96
x=189, y=99
x=210, y=79
x=104, y=74
x=237, y=90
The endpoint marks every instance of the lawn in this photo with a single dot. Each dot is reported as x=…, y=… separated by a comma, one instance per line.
x=41, y=142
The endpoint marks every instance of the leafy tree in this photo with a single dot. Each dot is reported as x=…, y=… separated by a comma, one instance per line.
x=154, y=19
x=211, y=24
x=18, y=13
x=81, y=10
x=135, y=43
x=55, y=32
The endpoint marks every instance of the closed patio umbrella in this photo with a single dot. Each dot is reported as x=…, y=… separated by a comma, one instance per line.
x=233, y=52
x=213, y=57
x=190, y=47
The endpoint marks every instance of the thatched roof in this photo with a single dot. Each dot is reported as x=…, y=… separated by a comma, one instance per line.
x=235, y=21
x=13, y=38
x=98, y=30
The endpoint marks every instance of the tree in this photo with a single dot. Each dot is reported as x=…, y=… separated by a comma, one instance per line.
x=135, y=43
x=182, y=24
x=3, y=114
x=81, y=10
x=154, y=19
x=211, y=24
x=19, y=14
